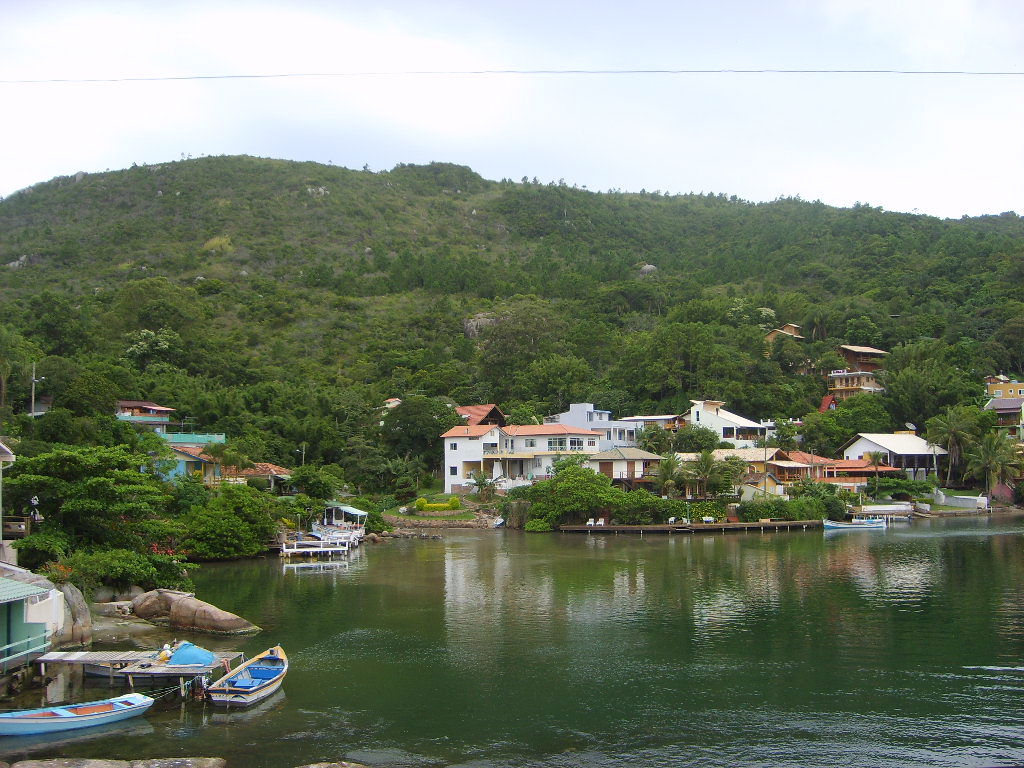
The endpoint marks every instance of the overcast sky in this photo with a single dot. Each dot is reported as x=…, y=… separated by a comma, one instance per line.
x=945, y=145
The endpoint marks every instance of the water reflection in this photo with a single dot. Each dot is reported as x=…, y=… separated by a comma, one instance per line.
x=500, y=649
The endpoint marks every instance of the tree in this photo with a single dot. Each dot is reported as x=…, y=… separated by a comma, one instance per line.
x=415, y=426
x=953, y=430
x=93, y=496
x=709, y=474
x=654, y=439
x=694, y=438
x=574, y=494
x=314, y=482
x=89, y=394
x=877, y=458
x=994, y=459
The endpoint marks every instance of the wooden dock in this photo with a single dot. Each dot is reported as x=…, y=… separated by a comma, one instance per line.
x=141, y=666
x=672, y=528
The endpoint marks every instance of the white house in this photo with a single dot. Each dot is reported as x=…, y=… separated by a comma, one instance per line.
x=615, y=434
x=913, y=454
x=737, y=430
x=626, y=466
x=511, y=455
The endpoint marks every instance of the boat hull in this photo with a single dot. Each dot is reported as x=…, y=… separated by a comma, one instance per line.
x=242, y=686
x=56, y=719
x=873, y=525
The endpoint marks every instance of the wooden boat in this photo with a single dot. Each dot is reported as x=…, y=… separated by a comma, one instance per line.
x=855, y=525
x=53, y=719
x=252, y=681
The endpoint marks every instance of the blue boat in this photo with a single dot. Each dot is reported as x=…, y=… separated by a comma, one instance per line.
x=66, y=718
x=251, y=682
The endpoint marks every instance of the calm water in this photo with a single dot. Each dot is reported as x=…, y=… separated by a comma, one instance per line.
x=895, y=648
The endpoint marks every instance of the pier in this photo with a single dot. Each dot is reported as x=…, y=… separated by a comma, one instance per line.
x=139, y=666
x=671, y=528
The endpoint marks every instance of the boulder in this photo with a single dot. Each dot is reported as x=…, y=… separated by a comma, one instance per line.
x=72, y=762
x=339, y=764
x=77, y=618
x=113, y=609
x=182, y=610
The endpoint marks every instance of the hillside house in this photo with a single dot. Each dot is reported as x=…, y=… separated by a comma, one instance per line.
x=192, y=460
x=277, y=477
x=512, y=455
x=859, y=374
x=906, y=451
x=1003, y=386
x=143, y=413
x=1009, y=415
x=615, y=433
x=739, y=431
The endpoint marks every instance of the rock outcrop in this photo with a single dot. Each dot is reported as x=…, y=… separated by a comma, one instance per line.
x=159, y=762
x=181, y=610
x=77, y=629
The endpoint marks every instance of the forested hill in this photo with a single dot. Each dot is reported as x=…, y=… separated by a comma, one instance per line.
x=282, y=301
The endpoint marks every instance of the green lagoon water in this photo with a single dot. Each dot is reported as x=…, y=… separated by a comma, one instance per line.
x=497, y=649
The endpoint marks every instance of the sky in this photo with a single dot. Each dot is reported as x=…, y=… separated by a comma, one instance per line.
x=945, y=145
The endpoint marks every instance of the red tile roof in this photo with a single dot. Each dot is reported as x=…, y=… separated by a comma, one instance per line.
x=258, y=469
x=466, y=430
x=546, y=429
x=474, y=414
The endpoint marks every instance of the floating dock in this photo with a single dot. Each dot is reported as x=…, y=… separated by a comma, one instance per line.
x=671, y=528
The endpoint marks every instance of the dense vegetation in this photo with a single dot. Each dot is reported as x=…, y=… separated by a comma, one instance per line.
x=281, y=303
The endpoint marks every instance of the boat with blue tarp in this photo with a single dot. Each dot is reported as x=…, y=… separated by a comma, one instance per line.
x=860, y=524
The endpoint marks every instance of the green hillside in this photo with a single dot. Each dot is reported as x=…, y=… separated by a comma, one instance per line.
x=282, y=302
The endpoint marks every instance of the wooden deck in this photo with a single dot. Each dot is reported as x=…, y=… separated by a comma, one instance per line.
x=774, y=525
x=134, y=666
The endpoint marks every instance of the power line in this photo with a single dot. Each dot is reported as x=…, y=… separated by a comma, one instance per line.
x=528, y=72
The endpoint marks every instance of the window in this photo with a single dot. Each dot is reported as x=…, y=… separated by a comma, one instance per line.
x=728, y=431
x=556, y=443
x=630, y=435
x=590, y=415
x=591, y=442
x=490, y=446
x=453, y=471
x=453, y=447
x=575, y=443
x=530, y=442
x=608, y=434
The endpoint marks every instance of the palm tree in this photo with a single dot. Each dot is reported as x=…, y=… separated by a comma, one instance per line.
x=876, y=458
x=704, y=470
x=669, y=475
x=952, y=430
x=994, y=458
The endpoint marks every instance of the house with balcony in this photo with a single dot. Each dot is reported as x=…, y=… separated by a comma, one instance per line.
x=739, y=431
x=193, y=460
x=859, y=374
x=914, y=455
x=1009, y=413
x=275, y=476
x=627, y=467
x=667, y=421
x=145, y=414
x=615, y=433
x=512, y=455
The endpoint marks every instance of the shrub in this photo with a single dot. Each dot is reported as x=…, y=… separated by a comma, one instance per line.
x=121, y=568
x=421, y=504
x=41, y=547
x=215, y=534
x=454, y=503
x=537, y=525
x=375, y=522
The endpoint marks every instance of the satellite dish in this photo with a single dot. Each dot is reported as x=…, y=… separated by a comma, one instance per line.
x=908, y=425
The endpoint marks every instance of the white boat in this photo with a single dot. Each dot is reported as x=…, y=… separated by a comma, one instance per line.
x=867, y=523
x=66, y=718
x=252, y=681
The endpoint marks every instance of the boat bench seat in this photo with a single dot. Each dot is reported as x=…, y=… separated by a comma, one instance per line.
x=244, y=682
x=264, y=673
